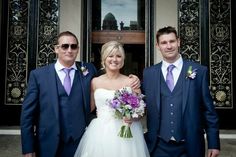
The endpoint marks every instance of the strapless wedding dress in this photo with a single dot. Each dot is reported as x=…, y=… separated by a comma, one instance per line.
x=101, y=137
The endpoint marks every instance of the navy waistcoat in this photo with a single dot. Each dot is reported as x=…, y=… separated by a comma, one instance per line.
x=171, y=111
x=71, y=115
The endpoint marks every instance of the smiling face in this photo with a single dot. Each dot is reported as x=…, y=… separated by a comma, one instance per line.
x=67, y=50
x=112, y=56
x=168, y=44
x=114, y=61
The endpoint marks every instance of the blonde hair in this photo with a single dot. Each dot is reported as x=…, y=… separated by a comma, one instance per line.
x=110, y=48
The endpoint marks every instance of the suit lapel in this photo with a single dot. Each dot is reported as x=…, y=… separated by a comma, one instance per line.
x=82, y=84
x=186, y=83
x=157, y=81
x=52, y=88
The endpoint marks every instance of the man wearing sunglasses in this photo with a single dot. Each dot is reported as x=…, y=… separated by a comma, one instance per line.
x=56, y=109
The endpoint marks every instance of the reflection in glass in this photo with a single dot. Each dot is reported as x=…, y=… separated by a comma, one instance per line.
x=118, y=14
x=123, y=21
x=109, y=22
x=124, y=12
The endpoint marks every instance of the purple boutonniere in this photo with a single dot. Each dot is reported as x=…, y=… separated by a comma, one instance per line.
x=191, y=73
x=83, y=69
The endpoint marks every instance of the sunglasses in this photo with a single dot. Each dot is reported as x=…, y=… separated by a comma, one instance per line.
x=66, y=46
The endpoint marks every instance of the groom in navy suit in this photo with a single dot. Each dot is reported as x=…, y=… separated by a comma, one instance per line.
x=53, y=120
x=180, y=109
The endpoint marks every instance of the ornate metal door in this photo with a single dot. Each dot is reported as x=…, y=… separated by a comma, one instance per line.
x=206, y=32
x=28, y=29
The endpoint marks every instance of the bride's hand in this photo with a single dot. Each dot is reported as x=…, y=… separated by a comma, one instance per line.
x=127, y=120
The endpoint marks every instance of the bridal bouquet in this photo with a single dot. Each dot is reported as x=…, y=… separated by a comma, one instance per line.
x=127, y=104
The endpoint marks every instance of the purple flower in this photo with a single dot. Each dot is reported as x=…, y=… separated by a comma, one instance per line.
x=115, y=103
x=129, y=105
x=125, y=102
x=133, y=101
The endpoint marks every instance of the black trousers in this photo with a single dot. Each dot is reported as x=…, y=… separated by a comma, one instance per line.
x=169, y=149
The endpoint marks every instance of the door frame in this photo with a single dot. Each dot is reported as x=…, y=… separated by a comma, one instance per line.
x=87, y=31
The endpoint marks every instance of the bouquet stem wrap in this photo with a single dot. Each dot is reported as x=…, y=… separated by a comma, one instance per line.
x=125, y=131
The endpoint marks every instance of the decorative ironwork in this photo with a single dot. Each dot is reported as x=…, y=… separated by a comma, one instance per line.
x=16, y=60
x=221, y=53
x=17, y=48
x=189, y=29
x=48, y=30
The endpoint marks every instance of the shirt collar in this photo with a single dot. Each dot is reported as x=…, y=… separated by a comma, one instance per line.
x=59, y=66
x=178, y=63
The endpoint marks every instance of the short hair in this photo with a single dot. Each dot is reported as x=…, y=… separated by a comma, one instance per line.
x=66, y=33
x=166, y=30
x=110, y=48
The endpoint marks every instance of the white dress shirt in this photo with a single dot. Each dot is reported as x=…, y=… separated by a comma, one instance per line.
x=176, y=71
x=61, y=74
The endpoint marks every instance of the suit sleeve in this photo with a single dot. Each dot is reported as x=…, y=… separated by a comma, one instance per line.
x=29, y=115
x=210, y=115
x=94, y=70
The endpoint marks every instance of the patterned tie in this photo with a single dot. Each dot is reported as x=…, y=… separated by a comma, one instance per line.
x=169, y=77
x=67, y=81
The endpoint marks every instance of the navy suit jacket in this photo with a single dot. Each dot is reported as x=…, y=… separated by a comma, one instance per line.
x=199, y=115
x=40, y=128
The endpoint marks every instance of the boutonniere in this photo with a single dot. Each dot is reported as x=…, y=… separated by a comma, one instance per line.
x=83, y=69
x=191, y=73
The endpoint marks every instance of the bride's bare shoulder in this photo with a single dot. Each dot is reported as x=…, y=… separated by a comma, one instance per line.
x=96, y=81
x=99, y=78
x=126, y=81
x=124, y=77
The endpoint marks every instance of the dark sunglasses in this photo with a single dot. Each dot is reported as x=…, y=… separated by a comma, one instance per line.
x=66, y=46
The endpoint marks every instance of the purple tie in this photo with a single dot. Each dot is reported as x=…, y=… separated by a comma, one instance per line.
x=67, y=81
x=169, y=77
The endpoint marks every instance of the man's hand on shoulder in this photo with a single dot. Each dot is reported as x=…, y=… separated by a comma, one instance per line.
x=135, y=82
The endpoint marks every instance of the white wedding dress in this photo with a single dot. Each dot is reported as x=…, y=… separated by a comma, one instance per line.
x=101, y=137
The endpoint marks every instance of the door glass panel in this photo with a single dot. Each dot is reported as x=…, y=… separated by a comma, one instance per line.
x=118, y=15
x=122, y=21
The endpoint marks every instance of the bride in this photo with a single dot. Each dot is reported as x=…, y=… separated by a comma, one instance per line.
x=101, y=137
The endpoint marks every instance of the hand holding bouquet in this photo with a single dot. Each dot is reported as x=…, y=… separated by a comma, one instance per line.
x=127, y=105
